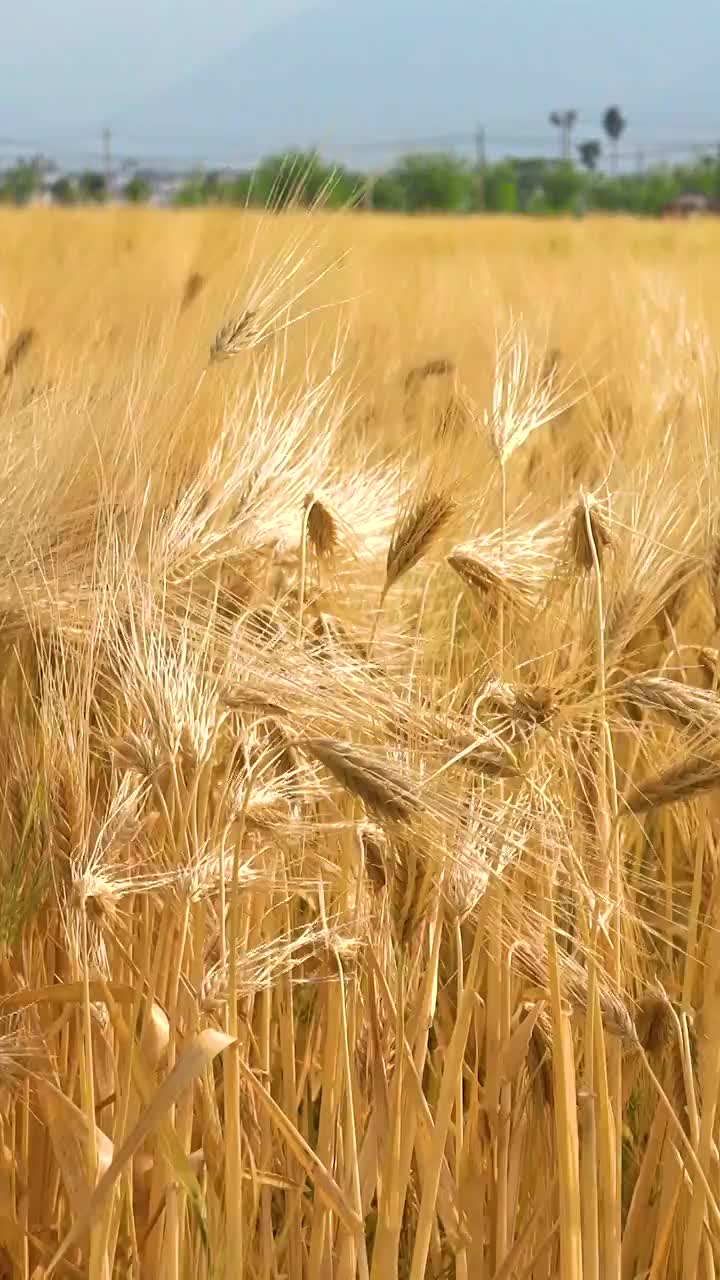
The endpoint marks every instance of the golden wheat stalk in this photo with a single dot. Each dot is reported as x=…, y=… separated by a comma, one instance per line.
x=589, y=533
x=381, y=786
x=322, y=529
x=19, y=349
x=683, y=705
x=692, y=776
x=415, y=531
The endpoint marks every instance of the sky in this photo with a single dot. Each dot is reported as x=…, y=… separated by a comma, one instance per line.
x=162, y=72
x=68, y=65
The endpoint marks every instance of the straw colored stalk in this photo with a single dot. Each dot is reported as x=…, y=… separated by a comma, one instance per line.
x=415, y=531
x=379, y=785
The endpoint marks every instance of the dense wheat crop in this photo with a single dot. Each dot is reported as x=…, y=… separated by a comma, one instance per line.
x=360, y=740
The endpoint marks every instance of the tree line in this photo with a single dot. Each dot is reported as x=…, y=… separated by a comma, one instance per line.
x=419, y=182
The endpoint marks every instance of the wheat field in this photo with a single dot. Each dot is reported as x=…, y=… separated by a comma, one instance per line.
x=359, y=893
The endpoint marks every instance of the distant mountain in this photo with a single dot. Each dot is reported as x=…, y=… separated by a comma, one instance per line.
x=356, y=72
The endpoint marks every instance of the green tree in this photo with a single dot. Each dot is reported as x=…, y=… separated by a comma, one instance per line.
x=302, y=178
x=436, y=181
x=192, y=192
x=215, y=185
x=536, y=203
x=63, y=191
x=238, y=190
x=501, y=188
x=530, y=174
x=137, y=190
x=614, y=124
x=92, y=186
x=19, y=184
x=590, y=152
x=286, y=179
x=388, y=193
x=657, y=189
x=563, y=185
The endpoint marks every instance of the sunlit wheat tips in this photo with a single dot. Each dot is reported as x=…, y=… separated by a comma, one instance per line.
x=416, y=529
x=321, y=526
x=589, y=533
x=236, y=336
x=380, y=785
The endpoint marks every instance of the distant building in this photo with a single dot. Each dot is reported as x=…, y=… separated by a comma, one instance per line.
x=162, y=183
x=691, y=204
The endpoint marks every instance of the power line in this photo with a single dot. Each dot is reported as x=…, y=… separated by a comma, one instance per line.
x=476, y=144
x=480, y=163
x=107, y=153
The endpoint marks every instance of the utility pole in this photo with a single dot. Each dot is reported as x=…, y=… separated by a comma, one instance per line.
x=565, y=121
x=107, y=155
x=480, y=164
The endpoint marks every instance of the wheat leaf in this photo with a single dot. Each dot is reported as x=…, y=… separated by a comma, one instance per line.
x=192, y=1062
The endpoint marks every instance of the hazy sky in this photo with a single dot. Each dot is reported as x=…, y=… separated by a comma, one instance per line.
x=67, y=67
x=77, y=61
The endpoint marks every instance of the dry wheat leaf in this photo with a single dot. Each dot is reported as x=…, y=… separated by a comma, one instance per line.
x=324, y=1182
x=515, y=1052
x=68, y=993
x=191, y=1063
x=70, y=1134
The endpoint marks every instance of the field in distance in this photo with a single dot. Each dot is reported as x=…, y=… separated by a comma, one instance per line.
x=359, y=594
